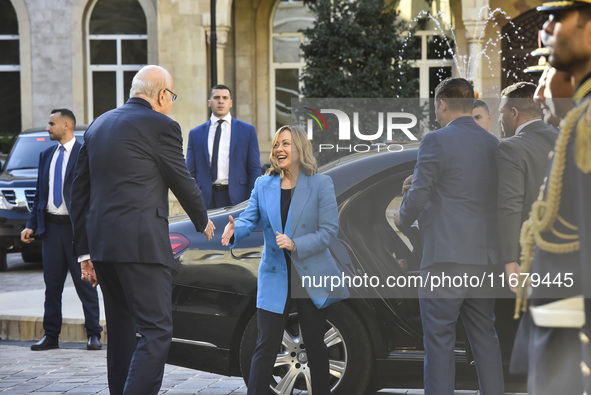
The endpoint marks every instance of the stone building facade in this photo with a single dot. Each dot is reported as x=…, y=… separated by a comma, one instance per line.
x=257, y=50
x=57, y=67
x=82, y=54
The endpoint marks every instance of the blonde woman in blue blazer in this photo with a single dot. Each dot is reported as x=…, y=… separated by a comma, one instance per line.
x=298, y=211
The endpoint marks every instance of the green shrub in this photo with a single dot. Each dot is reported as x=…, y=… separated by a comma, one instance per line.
x=7, y=141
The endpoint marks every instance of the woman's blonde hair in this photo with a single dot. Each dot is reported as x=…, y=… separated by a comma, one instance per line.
x=299, y=140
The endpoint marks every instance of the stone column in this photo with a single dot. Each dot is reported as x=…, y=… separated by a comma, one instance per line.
x=222, y=30
x=475, y=15
x=182, y=51
x=50, y=70
x=475, y=47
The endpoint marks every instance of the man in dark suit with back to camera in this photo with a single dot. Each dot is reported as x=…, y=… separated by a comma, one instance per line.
x=50, y=218
x=132, y=155
x=223, y=154
x=522, y=161
x=453, y=196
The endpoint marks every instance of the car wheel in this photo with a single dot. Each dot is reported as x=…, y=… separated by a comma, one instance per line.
x=349, y=348
x=31, y=257
x=3, y=262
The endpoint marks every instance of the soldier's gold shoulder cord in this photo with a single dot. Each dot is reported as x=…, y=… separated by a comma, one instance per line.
x=545, y=211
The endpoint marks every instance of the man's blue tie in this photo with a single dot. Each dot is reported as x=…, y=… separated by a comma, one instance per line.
x=213, y=169
x=57, y=178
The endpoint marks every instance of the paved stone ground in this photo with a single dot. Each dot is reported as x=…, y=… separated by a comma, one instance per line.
x=21, y=275
x=72, y=369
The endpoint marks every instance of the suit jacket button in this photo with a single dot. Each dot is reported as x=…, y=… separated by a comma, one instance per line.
x=303, y=225
x=268, y=226
x=273, y=249
x=273, y=268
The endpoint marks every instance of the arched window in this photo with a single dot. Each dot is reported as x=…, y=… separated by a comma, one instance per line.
x=289, y=18
x=433, y=20
x=10, y=86
x=434, y=63
x=117, y=49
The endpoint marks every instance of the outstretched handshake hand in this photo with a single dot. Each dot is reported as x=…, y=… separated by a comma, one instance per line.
x=208, y=232
x=228, y=231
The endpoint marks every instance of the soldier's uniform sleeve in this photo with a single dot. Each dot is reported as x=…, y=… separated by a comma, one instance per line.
x=582, y=201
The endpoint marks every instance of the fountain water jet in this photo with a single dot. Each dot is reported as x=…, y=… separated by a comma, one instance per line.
x=480, y=48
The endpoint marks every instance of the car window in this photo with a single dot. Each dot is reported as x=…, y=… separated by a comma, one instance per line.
x=26, y=150
x=367, y=221
x=410, y=238
x=25, y=153
x=377, y=249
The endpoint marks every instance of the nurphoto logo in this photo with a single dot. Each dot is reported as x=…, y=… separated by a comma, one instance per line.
x=357, y=125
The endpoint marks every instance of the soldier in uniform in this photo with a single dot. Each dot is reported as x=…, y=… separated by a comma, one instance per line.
x=557, y=236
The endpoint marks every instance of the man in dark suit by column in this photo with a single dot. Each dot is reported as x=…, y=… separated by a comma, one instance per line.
x=522, y=161
x=223, y=154
x=132, y=155
x=50, y=218
x=453, y=196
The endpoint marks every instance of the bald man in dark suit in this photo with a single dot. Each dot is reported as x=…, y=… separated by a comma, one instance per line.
x=131, y=157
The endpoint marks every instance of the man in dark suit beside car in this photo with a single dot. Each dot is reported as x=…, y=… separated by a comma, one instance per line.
x=50, y=218
x=131, y=157
x=522, y=161
x=453, y=196
x=223, y=154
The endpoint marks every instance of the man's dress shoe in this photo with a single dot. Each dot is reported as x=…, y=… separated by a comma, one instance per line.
x=47, y=343
x=93, y=343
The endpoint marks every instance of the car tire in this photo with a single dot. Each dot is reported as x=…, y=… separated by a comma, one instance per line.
x=31, y=257
x=3, y=262
x=351, y=358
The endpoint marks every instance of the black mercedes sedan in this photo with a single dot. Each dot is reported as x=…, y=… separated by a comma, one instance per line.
x=374, y=338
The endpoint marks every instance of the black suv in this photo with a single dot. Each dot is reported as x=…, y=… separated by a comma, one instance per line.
x=18, y=182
